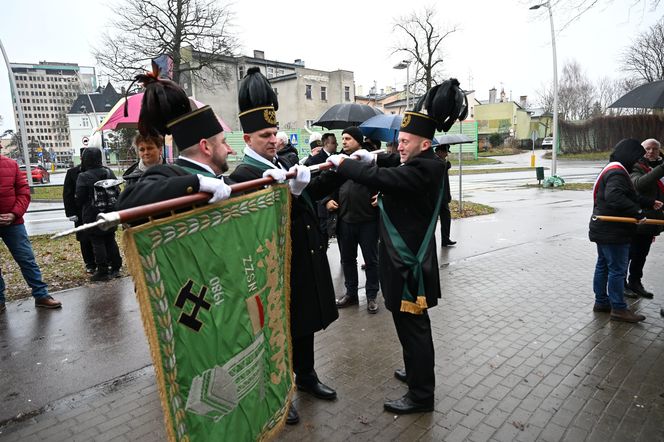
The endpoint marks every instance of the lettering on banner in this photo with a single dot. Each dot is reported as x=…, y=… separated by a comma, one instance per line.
x=217, y=290
x=190, y=320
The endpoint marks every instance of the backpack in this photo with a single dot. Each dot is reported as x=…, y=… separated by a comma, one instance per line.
x=106, y=193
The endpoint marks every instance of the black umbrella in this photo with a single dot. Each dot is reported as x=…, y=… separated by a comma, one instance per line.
x=342, y=115
x=648, y=96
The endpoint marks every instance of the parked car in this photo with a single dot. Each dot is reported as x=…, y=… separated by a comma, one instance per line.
x=39, y=174
x=547, y=143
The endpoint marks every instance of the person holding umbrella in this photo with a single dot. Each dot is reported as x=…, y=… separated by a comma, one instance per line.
x=411, y=186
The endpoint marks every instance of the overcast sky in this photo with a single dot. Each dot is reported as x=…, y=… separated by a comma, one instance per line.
x=498, y=44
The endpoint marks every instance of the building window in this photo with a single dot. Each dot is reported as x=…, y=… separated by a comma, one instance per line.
x=347, y=93
x=323, y=93
x=270, y=72
x=240, y=72
x=307, y=92
x=309, y=123
x=280, y=72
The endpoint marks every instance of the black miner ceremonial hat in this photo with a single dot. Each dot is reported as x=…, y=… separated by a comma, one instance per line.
x=445, y=103
x=257, y=102
x=190, y=128
x=418, y=124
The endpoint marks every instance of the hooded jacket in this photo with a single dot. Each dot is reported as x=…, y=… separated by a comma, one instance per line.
x=93, y=172
x=615, y=195
x=14, y=189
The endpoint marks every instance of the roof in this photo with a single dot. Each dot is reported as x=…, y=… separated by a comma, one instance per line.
x=100, y=99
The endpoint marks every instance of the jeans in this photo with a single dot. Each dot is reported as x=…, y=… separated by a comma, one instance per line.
x=16, y=239
x=366, y=235
x=610, y=271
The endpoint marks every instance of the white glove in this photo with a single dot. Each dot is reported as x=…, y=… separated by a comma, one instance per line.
x=364, y=156
x=218, y=189
x=337, y=159
x=302, y=178
x=279, y=175
x=73, y=218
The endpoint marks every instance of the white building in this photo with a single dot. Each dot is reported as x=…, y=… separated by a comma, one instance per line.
x=86, y=114
x=304, y=94
x=47, y=91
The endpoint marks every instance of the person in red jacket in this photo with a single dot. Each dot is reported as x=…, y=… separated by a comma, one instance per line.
x=14, y=201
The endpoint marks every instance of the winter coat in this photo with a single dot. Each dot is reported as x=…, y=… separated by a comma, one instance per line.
x=14, y=189
x=312, y=304
x=94, y=171
x=409, y=192
x=614, y=195
x=645, y=176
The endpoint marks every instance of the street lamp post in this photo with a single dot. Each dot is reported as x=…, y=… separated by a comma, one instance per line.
x=21, y=117
x=555, y=87
x=405, y=64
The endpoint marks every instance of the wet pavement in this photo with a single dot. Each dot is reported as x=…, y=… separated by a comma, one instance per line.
x=519, y=353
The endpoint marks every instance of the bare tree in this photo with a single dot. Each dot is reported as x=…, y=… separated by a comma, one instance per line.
x=569, y=11
x=146, y=29
x=644, y=58
x=545, y=98
x=421, y=40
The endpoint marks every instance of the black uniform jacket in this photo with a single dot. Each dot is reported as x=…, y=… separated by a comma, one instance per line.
x=312, y=304
x=645, y=176
x=319, y=158
x=162, y=182
x=409, y=193
x=616, y=196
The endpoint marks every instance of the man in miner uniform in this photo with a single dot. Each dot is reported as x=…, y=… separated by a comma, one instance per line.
x=312, y=305
x=412, y=189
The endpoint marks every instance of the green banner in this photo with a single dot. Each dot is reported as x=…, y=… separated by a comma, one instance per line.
x=213, y=288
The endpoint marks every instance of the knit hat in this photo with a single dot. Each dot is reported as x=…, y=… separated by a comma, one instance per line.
x=355, y=133
x=627, y=152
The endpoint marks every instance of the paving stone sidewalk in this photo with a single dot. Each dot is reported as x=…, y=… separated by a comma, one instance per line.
x=519, y=356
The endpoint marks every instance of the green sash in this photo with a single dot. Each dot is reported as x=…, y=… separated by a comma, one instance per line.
x=249, y=161
x=415, y=304
x=193, y=171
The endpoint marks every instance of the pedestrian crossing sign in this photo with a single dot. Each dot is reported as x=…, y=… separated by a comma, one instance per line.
x=293, y=139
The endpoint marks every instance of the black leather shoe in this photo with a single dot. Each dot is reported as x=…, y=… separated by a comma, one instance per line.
x=400, y=374
x=447, y=242
x=319, y=390
x=638, y=288
x=292, y=418
x=406, y=405
x=347, y=300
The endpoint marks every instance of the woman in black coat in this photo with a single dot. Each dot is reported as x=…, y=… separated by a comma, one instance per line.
x=615, y=195
x=106, y=251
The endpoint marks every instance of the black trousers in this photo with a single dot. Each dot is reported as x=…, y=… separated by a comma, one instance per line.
x=106, y=252
x=303, y=359
x=414, y=333
x=87, y=252
x=366, y=236
x=638, y=252
x=445, y=222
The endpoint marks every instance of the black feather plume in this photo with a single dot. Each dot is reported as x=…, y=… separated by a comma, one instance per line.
x=445, y=103
x=256, y=91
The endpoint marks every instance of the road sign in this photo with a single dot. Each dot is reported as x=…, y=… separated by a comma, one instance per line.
x=39, y=154
x=293, y=139
x=85, y=141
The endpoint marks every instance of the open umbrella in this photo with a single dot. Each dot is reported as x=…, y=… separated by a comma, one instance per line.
x=648, y=96
x=116, y=117
x=382, y=127
x=342, y=115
